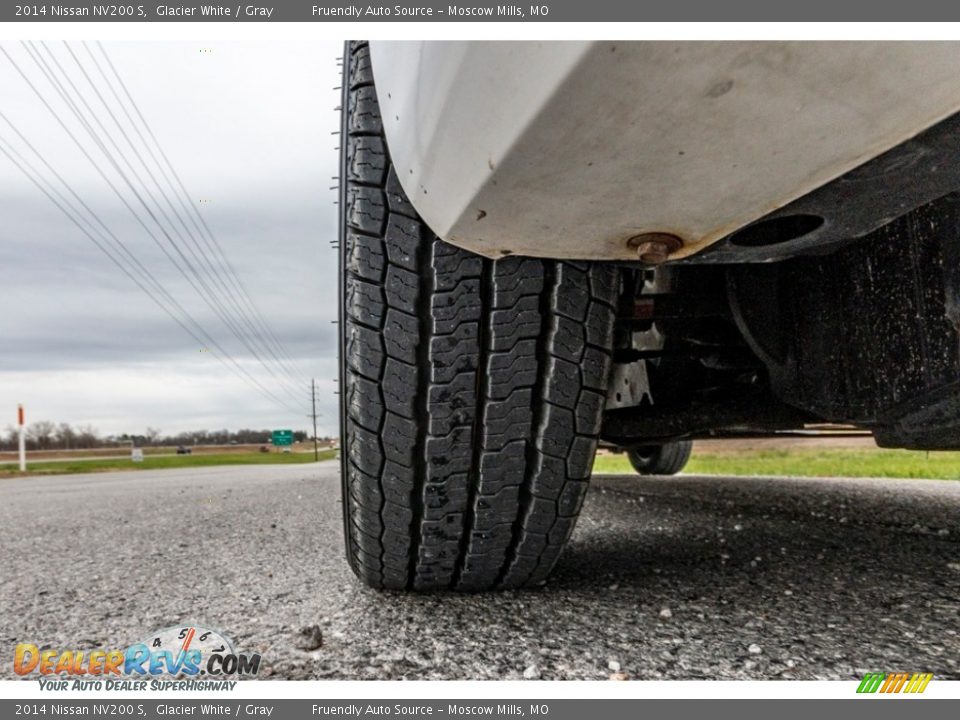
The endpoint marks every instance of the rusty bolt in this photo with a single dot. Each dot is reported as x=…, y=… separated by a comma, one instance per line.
x=655, y=248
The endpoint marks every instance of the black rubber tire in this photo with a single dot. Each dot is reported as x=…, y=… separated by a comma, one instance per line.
x=666, y=459
x=471, y=389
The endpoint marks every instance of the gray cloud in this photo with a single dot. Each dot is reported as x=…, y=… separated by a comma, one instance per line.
x=248, y=127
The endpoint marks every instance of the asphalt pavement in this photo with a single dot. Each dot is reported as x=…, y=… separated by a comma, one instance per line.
x=665, y=578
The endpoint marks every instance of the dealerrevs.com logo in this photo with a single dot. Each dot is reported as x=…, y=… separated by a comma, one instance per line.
x=184, y=657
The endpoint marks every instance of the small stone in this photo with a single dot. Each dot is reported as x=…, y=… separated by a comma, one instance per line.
x=788, y=592
x=618, y=676
x=749, y=665
x=613, y=665
x=754, y=649
x=531, y=673
x=614, y=587
x=665, y=613
x=953, y=566
x=311, y=638
x=738, y=527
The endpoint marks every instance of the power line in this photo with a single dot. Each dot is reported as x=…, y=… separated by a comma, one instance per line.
x=211, y=298
x=204, y=258
x=63, y=206
x=194, y=281
x=232, y=273
x=187, y=206
x=73, y=214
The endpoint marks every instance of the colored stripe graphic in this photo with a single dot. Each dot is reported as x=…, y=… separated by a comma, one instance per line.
x=871, y=682
x=901, y=679
x=918, y=683
x=894, y=683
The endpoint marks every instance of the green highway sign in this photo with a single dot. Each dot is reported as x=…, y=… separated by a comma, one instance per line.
x=282, y=437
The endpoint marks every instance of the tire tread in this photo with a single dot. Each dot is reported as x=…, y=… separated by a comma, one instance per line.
x=473, y=388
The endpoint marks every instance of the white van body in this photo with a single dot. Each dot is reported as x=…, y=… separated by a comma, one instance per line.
x=569, y=149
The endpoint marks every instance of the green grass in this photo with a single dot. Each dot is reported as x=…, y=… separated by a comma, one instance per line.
x=161, y=463
x=811, y=463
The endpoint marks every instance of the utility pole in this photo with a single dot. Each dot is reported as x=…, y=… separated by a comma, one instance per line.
x=313, y=408
x=21, y=441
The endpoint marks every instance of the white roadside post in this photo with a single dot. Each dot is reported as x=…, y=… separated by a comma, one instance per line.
x=21, y=441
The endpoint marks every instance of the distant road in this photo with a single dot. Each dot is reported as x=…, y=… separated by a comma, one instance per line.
x=81, y=458
x=665, y=578
x=207, y=450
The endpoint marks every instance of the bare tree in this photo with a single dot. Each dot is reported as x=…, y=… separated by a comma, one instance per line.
x=41, y=434
x=10, y=439
x=87, y=436
x=152, y=435
x=66, y=436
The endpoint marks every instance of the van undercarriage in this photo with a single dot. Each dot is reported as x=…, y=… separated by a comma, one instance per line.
x=863, y=332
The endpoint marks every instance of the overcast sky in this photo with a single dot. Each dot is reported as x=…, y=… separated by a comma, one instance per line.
x=248, y=128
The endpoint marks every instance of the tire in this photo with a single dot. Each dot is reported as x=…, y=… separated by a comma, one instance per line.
x=471, y=389
x=666, y=459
